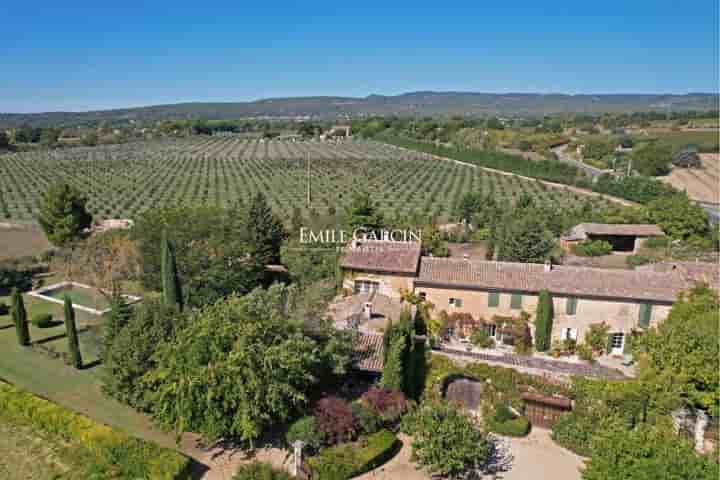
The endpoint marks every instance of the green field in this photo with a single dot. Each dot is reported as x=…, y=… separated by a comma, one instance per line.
x=704, y=141
x=122, y=181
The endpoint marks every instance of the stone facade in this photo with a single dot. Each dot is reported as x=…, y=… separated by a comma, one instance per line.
x=623, y=316
x=389, y=284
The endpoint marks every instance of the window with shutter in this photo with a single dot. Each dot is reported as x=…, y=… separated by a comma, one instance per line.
x=516, y=301
x=571, y=305
x=645, y=315
x=493, y=299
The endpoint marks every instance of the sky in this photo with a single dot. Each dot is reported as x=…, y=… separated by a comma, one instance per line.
x=84, y=55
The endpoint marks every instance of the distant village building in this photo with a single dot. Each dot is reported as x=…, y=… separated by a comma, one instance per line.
x=623, y=237
x=626, y=300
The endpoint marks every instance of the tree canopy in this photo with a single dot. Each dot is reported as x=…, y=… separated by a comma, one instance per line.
x=63, y=215
x=446, y=441
x=239, y=366
x=212, y=248
x=682, y=351
x=678, y=216
x=646, y=452
x=362, y=214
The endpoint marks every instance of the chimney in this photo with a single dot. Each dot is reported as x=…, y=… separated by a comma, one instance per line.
x=548, y=265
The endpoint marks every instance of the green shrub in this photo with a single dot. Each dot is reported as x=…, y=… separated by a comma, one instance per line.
x=260, y=471
x=503, y=414
x=585, y=352
x=104, y=452
x=367, y=419
x=592, y=248
x=506, y=422
x=347, y=460
x=43, y=320
x=481, y=339
x=597, y=337
x=575, y=432
x=657, y=242
x=517, y=427
x=637, y=260
x=305, y=430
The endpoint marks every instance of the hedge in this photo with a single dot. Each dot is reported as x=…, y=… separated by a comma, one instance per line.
x=347, y=460
x=517, y=427
x=260, y=471
x=43, y=320
x=103, y=452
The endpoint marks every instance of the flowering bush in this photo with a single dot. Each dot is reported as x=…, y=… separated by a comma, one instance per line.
x=389, y=404
x=335, y=419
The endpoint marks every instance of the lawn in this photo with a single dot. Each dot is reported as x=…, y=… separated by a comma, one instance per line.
x=79, y=390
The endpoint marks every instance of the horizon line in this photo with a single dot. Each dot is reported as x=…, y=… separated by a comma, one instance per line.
x=414, y=92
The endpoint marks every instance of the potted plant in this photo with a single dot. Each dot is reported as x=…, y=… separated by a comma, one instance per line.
x=556, y=349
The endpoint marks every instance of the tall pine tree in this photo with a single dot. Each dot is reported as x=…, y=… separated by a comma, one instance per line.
x=19, y=316
x=266, y=231
x=172, y=292
x=71, y=332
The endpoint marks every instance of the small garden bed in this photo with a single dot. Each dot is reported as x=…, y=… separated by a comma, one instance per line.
x=351, y=459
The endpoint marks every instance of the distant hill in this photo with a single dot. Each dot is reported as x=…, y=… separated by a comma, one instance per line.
x=416, y=103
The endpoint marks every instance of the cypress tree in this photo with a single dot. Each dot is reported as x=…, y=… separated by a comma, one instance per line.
x=387, y=338
x=19, y=316
x=419, y=369
x=543, y=322
x=172, y=293
x=392, y=375
x=71, y=332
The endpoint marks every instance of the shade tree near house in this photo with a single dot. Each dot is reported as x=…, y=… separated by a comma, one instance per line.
x=236, y=368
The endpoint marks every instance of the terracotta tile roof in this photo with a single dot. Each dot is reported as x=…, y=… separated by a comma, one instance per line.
x=563, y=280
x=691, y=272
x=382, y=256
x=368, y=352
x=579, y=232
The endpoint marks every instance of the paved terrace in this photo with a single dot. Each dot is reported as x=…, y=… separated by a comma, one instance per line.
x=534, y=365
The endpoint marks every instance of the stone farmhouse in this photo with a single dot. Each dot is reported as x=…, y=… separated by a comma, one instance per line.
x=626, y=300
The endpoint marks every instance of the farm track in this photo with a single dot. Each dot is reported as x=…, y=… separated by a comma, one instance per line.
x=122, y=181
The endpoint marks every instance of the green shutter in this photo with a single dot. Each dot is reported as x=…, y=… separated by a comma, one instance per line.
x=571, y=305
x=516, y=301
x=493, y=299
x=645, y=314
